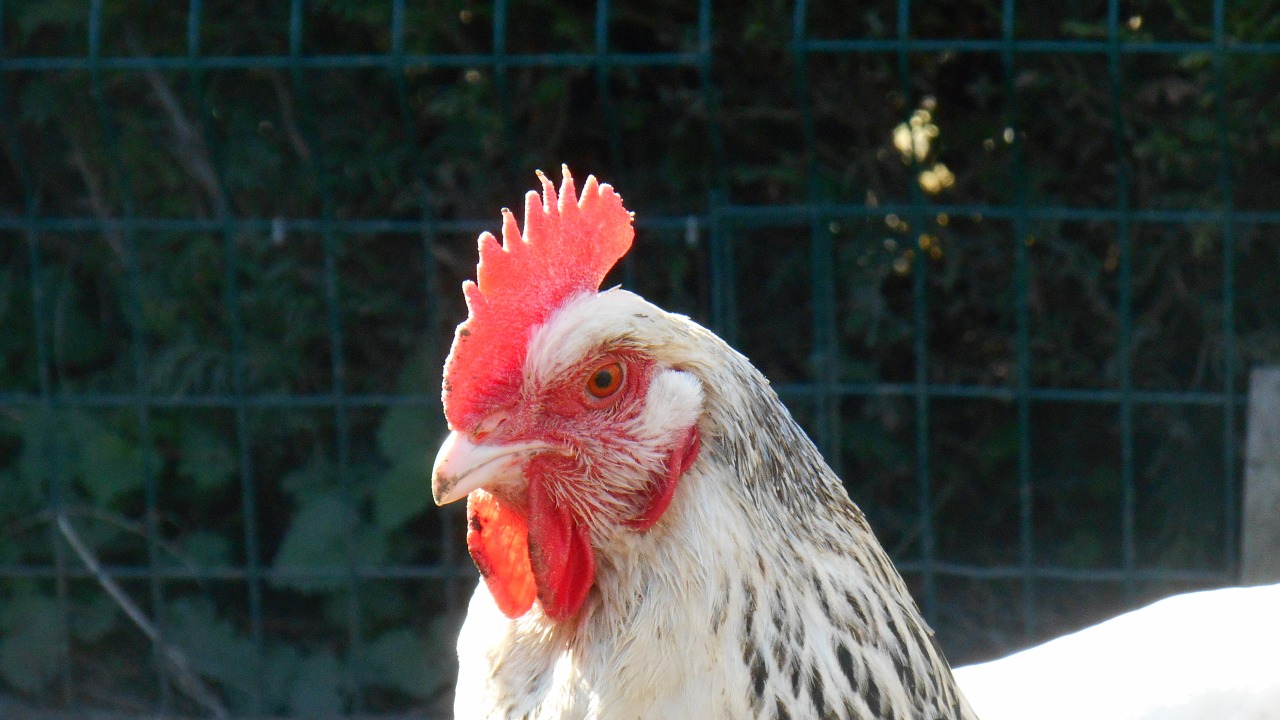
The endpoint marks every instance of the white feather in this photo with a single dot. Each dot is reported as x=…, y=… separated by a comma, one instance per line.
x=761, y=586
x=1211, y=655
x=581, y=325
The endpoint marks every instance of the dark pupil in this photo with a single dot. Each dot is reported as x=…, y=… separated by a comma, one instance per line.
x=603, y=379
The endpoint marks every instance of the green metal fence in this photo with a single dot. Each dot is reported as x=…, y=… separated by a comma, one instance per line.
x=234, y=232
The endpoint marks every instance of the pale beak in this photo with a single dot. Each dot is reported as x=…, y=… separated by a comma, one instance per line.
x=462, y=466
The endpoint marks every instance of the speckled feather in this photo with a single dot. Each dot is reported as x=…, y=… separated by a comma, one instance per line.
x=761, y=593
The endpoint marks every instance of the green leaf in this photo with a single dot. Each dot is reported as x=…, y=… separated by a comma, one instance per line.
x=204, y=548
x=109, y=464
x=317, y=538
x=281, y=668
x=15, y=501
x=94, y=617
x=315, y=690
x=40, y=449
x=401, y=660
x=385, y=603
x=402, y=493
x=408, y=432
x=31, y=649
x=205, y=458
x=81, y=340
x=58, y=13
x=408, y=438
x=1080, y=29
x=213, y=644
x=312, y=478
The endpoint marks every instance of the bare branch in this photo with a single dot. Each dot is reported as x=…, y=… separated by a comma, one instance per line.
x=186, y=679
x=190, y=147
x=98, y=203
x=38, y=519
x=288, y=119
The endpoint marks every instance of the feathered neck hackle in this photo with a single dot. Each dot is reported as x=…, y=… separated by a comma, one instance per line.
x=568, y=245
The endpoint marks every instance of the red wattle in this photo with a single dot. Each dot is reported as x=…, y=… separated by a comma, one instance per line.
x=546, y=554
x=559, y=552
x=498, y=539
x=664, y=487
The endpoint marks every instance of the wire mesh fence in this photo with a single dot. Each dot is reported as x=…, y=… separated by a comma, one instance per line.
x=1007, y=262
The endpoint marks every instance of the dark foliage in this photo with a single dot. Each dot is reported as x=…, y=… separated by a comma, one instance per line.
x=200, y=254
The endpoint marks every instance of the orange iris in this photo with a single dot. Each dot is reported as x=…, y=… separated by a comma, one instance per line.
x=605, y=380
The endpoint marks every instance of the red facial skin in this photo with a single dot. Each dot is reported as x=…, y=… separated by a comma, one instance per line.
x=537, y=542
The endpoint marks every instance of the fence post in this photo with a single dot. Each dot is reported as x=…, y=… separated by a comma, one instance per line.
x=1260, y=536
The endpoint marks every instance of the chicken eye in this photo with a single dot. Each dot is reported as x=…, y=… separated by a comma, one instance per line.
x=605, y=381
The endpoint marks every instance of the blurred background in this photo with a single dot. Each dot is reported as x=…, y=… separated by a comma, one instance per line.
x=1010, y=264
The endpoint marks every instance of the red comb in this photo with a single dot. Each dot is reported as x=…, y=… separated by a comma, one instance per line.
x=569, y=245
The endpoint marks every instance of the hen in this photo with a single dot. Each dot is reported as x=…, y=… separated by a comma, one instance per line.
x=657, y=537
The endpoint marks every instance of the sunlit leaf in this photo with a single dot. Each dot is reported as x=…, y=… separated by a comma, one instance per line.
x=215, y=647
x=317, y=540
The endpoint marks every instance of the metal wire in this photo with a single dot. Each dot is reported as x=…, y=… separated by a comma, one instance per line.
x=719, y=223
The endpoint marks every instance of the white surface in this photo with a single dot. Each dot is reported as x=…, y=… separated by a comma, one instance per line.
x=1212, y=655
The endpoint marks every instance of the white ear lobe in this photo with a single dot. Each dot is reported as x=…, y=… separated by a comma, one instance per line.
x=672, y=405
